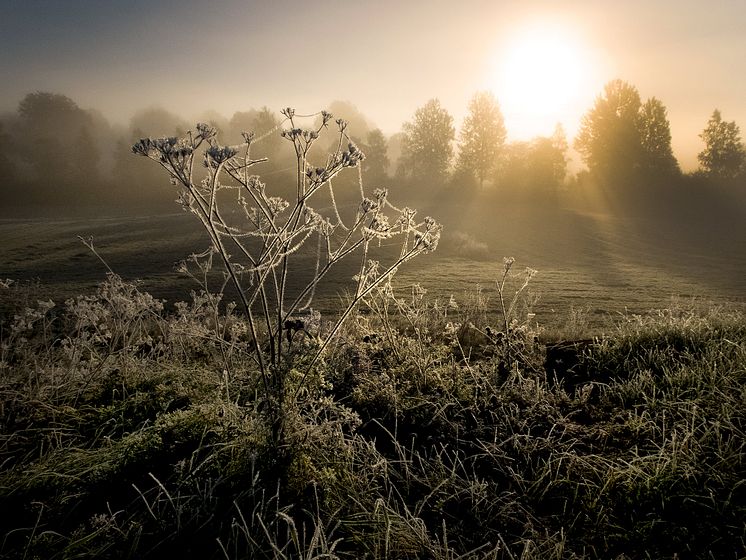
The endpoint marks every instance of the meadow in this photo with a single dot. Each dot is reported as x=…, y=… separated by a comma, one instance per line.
x=408, y=319
x=594, y=263
x=130, y=432
x=465, y=407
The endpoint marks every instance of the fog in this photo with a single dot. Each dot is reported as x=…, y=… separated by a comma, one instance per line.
x=625, y=229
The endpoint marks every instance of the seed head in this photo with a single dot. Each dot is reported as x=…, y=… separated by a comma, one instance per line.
x=205, y=131
x=143, y=147
x=220, y=154
x=368, y=205
x=277, y=204
x=508, y=263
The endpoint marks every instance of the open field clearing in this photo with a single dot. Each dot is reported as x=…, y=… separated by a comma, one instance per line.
x=591, y=262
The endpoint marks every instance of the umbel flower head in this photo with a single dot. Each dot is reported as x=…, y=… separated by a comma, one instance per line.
x=205, y=131
x=292, y=133
x=352, y=156
x=368, y=205
x=277, y=205
x=429, y=238
x=169, y=146
x=379, y=228
x=215, y=155
x=143, y=147
x=508, y=263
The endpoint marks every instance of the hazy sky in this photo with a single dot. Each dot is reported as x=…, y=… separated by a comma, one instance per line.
x=386, y=57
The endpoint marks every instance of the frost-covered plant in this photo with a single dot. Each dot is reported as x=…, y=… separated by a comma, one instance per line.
x=256, y=236
x=519, y=334
x=423, y=332
x=26, y=336
x=118, y=317
x=509, y=310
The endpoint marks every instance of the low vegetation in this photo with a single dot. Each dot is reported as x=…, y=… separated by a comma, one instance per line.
x=402, y=427
x=129, y=432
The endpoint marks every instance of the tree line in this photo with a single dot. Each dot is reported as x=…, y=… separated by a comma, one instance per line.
x=54, y=152
x=482, y=155
x=622, y=140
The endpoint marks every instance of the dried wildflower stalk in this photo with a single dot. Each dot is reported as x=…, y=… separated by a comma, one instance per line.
x=256, y=251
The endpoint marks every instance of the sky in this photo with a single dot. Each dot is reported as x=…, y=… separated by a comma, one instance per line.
x=386, y=57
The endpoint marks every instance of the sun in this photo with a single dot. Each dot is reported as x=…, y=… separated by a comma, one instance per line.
x=542, y=75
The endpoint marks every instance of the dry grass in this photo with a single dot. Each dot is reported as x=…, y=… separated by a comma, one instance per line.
x=130, y=432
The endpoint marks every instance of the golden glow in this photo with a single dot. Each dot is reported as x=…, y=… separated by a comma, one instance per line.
x=543, y=75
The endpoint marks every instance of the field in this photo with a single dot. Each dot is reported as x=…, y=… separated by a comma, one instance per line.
x=609, y=424
x=372, y=281
x=130, y=433
x=593, y=264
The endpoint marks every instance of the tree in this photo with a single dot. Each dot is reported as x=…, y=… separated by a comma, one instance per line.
x=49, y=124
x=655, y=137
x=7, y=167
x=156, y=121
x=356, y=120
x=265, y=124
x=357, y=123
x=723, y=156
x=538, y=166
x=482, y=136
x=427, y=145
x=376, y=162
x=609, y=138
x=241, y=121
x=512, y=171
x=143, y=182
x=548, y=161
x=215, y=120
x=51, y=114
x=85, y=160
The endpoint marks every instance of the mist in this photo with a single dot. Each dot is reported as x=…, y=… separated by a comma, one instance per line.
x=611, y=199
x=446, y=103
x=328, y=279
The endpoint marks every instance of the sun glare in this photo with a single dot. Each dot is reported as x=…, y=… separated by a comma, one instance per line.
x=542, y=75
